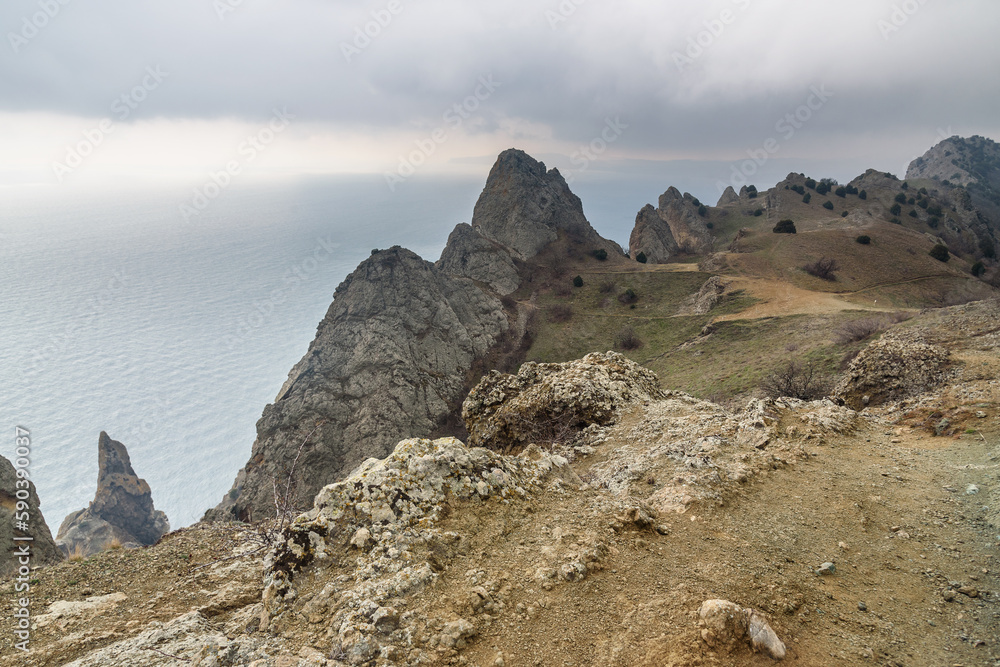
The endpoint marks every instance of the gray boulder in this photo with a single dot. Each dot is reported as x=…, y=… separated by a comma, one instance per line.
x=42, y=547
x=122, y=508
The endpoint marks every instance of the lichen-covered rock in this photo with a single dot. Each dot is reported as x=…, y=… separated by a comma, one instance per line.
x=470, y=254
x=42, y=547
x=524, y=208
x=707, y=297
x=388, y=510
x=726, y=624
x=122, y=508
x=896, y=365
x=547, y=403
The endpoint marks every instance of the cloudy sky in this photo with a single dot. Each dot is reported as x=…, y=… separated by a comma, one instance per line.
x=106, y=90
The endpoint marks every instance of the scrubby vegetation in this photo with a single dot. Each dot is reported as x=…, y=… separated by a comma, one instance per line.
x=627, y=339
x=578, y=281
x=823, y=268
x=641, y=258
x=940, y=253
x=794, y=380
x=784, y=227
x=864, y=239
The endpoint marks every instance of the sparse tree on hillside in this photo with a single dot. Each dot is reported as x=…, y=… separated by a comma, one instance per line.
x=940, y=253
x=784, y=227
x=578, y=281
x=641, y=258
x=864, y=239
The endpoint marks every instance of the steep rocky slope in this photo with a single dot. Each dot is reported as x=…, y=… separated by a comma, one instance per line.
x=405, y=339
x=677, y=224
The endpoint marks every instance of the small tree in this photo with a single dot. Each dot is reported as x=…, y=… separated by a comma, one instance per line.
x=702, y=210
x=627, y=339
x=641, y=258
x=896, y=209
x=601, y=254
x=988, y=248
x=759, y=212
x=940, y=253
x=901, y=198
x=811, y=183
x=752, y=191
x=828, y=205
x=978, y=269
x=794, y=381
x=578, y=281
x=864, y=239
x=822, y=268
x=806, y=198
x=628, y=296
x=784, y=227
x=863, y=194
x=840, y=192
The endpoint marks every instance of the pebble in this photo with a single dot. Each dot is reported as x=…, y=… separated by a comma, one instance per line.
x=862, y=606
x=949, y=596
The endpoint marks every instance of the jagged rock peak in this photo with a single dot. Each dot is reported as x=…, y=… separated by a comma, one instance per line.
x=43, y=548
x=675, y=226
x=122, y=508
x=524, y=208
x=728, y=197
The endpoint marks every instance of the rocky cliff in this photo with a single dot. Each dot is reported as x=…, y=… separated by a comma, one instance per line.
x=43, y=549
x=399, y=347
x=675, y=225
x=122, y=508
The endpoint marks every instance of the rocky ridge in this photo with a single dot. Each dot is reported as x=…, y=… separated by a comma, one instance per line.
x=675, y=225
x=122, y=509
x=397, y=351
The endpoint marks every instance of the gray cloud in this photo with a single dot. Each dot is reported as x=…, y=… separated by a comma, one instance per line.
x=898, y=69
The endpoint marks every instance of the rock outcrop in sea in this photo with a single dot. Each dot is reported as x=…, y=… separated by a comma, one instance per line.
x=398, y=350
x=122, y=508
x=42, y=547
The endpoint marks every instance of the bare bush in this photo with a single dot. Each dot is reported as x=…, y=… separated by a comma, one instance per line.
x=795, y=381
x=627, y=339
x=628, y=296
x=823, y=268
x=562, y=290
x=560, y=313
x=866, y=327
x=607, y=287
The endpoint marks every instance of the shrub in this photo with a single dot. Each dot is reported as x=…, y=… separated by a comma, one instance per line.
x=823, y=268
x=822, y=188
x=811, y=184
x=978, y=269
x=988, y=248
x=560, y=313
x=933, y=222
x=806, y=198
x=794, y=381
x=940, y=253
x=863, y=194
x=911, y=201
x=709, y=225
x=627, y=339
x=905, y=185
x=578, y=281
x=896, y=209
x=901, y=198
x=798, y=188
x=784, y=227
x=374, y=251
x=913, y=213
x=641, y=258
x=702, y=210
x=935, y=210
x=923, y=203
x=607, y=287
x=628, y=296
x=601, y=254
x=840, y=192
x=843, y=214
x=922, y=191
x=752, y=191
x=828, y=205
x=851, y=190
x=864, y=239
x=759, y=212
x=895, y=221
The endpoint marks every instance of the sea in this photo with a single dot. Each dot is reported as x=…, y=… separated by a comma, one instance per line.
x=118, y=313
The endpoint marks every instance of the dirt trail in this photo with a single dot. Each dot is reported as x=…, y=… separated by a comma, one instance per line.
x=780, y=299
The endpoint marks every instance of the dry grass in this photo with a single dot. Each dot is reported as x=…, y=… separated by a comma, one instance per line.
x=115, y=544
x=866, y=327
x=76, y=555
x=560, y=313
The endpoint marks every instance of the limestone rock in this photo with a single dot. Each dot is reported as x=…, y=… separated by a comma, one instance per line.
x=727, y=624
x=705, y=299
x=950, y=160
x=389, y=361
x=42, y=548
x=728, y=197
x=673, y=226
x=550, y=402
x=472, y=255
x=524, y=208
x=897, y=365
x=652, y=237
x=122, y=508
